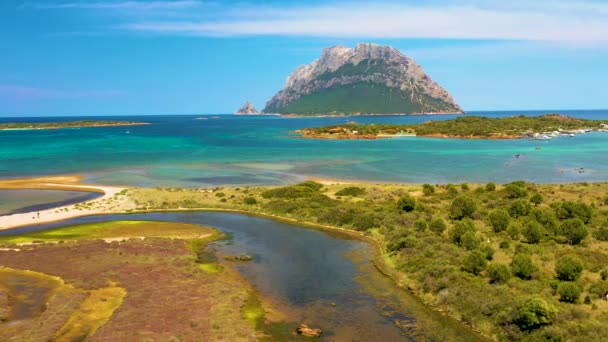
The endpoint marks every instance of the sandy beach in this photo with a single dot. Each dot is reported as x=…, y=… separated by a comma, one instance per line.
x=108, y=203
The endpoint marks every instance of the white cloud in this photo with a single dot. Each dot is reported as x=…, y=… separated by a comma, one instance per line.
x=123, y=5
x=572, y=22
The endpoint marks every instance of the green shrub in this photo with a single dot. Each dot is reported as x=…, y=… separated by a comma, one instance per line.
x=533, y=231
x=464, y=187
x=311, y=185
x=587, y=300
x=604, y=274
x=364, y=221
x=354, y=191
x=451, y=189
x=504, y=245
x=291, y=192
x=602, y=233
x=475, y=263
x=515, y=191
x=428, y=189
x=469, y=241
x=568, y=268
x=599, y=289
x=514, y=230
x=407, y=203
x=460, y=228
x=574, y=230
x=570, y=209
x=568, y=292
x=498, y=273
x=490, y=186
x=533, y=313
x=488, y=251
x=522, y=266
x=546, y=217
x=250, y=201
x=499, y=220
x=420, y=225
x=519, y=208
x=462, y=207
x=438, y=225
x=404, y=242
x=536, y=199
x=281, y=207
x=220, y=194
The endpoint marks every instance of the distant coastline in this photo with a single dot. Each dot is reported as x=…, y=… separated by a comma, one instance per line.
x=23, y=126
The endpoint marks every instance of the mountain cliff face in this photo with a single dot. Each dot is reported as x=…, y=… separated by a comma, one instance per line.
x=369, y=79
x=247, y=108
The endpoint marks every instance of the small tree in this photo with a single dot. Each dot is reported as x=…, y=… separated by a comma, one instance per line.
x=568, y=292
x=407, y=203
x=536, y=199
x=519, y=208
x=533, y=313
x=462, y=206
x=571, y=209
x=420, y=225
x=460, y=228
x=498, y=273
x=574, y=230
x=568, y=268
x=438, y=225
x=546, y=217
x=514, y=230
x=515, y=191
x=522, y=266
x=475, y=263
x=470, y=241
x=533, y=231
x=499, y=220
x=428, y=189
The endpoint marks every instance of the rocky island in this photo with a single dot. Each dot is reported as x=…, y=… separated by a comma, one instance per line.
x=369, y=79
x=67, y=124
x=247, y=109
x=542, y=127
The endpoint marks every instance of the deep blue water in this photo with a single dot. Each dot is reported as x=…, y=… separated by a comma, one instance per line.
x=229, y=150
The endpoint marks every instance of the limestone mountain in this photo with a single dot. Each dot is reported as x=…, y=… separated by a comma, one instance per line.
x=247, y=108
x=369, y=79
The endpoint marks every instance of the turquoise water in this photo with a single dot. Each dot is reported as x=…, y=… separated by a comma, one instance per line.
x=234, y=150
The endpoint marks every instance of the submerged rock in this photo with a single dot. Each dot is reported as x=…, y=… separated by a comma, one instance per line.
x=305, y=330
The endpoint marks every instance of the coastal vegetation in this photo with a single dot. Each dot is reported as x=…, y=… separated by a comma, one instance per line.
x=66, y=124
x=112, y=281
x=493, y=256
x=467, y=127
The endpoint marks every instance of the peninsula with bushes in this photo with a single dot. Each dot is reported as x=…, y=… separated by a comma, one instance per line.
x=542, y=127
x=66, y=124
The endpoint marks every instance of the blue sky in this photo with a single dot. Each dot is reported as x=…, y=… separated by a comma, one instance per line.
x=127, y=57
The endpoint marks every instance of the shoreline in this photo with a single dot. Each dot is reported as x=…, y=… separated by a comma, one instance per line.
x=77, y=126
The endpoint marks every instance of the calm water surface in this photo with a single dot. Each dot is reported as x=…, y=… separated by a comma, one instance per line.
x=23, y=201
x=235, y=150
x=302, y=271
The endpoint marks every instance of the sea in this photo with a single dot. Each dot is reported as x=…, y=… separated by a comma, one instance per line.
x=230, y=150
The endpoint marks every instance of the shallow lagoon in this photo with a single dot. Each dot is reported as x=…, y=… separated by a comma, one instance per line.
x=235, y=150
x=303, y=271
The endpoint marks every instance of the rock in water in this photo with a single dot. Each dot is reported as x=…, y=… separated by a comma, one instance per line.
x=305, y=330
x=247, y=108
x=369, y=79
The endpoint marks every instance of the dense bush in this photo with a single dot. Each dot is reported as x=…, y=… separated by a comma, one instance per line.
x=536, y=199
x=602, y=233
x=461, y=228
x=438, y=225
x=420, y=225
x=404, y=242
x=451, y=190
x=469, y=241
x=250, y=201
x=351, y=191
x=568, y=292
x=571, y=209
x=515, y=191
x=462, y=206
x=546, y=217
x=498, y=273
x=499, y=220
x=574, y=230
x=475, y=262
x=490, y=186
x=291, y=192
x=522, y=266
x=407, y=203
x=533, y=313
x=533, y=231
x=428, y=189
x=364, y=221
x=599, y=289
x=519, y=208
x=568, y=268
